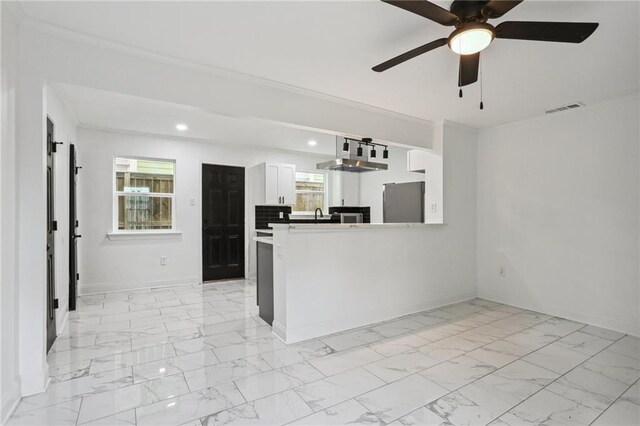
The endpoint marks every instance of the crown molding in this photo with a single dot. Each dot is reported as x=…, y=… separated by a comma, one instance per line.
x=88, y=39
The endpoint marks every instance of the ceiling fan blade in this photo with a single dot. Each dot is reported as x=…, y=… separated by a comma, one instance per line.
x=468, y=72
x=497, y=8
x=563, y=32
x=410, y=54
x=427, y=10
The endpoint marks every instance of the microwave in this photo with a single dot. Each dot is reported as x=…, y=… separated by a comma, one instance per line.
x=350, y=217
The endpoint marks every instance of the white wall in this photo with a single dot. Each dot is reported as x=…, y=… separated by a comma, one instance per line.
x=64, y=131
x=9, y=335
x=371, y=183
x=114, y=265
x=558, y=210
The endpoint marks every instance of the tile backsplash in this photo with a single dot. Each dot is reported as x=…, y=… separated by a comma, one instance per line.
x=271, y=214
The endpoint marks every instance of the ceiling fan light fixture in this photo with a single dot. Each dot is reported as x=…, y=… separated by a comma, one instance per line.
x=471, y=38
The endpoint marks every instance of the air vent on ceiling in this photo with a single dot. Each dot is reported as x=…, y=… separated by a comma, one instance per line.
x=565, y=108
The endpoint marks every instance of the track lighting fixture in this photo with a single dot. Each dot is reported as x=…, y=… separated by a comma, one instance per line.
x=368, y=143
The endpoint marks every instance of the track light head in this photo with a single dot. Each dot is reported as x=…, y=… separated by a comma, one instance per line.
x=345, y=146
x=385, y=153
x=359, y=152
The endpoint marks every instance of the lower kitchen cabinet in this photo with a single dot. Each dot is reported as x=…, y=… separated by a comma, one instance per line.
x=265, y=281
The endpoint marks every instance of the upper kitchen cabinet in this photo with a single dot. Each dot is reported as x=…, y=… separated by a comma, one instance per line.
x=417, y=160
x=350, y=189
x=275, y=183
x=345, y=189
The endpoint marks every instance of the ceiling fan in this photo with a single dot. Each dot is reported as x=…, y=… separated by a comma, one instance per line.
x=473, y=33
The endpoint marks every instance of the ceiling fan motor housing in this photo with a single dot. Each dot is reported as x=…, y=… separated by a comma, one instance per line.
x=468, y=9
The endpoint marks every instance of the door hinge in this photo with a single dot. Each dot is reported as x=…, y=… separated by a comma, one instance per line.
x=54, y=225
x=53, y=147
x=56, y=305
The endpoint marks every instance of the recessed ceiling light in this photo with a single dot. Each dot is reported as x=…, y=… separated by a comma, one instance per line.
x=181, y=127
x=312, y=143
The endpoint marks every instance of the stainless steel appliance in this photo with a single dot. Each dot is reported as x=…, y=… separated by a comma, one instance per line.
x=403, y=202
x=350, y=217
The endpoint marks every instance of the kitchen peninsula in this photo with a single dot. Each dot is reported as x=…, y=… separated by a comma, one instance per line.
x=329, y=278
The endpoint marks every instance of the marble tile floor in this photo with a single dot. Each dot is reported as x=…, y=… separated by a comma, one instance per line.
x=200, y=355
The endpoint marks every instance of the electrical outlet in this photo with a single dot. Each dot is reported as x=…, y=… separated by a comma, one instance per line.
x=192, y=201
x=501, y=271
x=281, y=215
x=163, y=260
x=434, y=207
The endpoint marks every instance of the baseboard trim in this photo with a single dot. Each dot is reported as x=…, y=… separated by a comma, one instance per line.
x=35, y=383
x=338, y=325
x=95, y=288
x=279, y=331
x=557, y=311
x=10, y=400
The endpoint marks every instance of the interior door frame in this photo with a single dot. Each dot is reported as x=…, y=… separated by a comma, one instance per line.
x=247, y=198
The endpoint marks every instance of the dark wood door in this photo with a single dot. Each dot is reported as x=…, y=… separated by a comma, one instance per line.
x=51, y=227
x=222, y=222
x=73, y=228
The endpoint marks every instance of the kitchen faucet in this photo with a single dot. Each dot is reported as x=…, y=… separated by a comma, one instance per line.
x=316, y=214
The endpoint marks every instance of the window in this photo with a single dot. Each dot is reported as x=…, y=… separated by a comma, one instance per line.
x=144, y=194
x=311, y=191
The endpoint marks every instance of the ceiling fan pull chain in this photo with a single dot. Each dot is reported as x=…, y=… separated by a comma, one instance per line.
x=481, y=103
x=459, y=82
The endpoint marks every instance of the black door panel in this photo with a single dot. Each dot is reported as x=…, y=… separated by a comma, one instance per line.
x=51, y=274
x=222, y=222
x=73, y=228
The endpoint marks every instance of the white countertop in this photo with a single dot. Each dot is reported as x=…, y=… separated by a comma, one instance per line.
x=346, y=226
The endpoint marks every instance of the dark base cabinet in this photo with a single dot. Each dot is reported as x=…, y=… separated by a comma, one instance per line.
x=265, y=281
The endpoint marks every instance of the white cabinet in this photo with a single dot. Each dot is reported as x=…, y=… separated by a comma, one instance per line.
x=272, y=196
x=287, y=183
x=417, y=160
x=350, y=189
x=276, y=184
x=345, y=189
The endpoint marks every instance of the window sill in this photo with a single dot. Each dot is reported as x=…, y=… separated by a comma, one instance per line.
x=143, y=235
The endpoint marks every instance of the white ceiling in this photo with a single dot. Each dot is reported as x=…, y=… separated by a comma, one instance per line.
x=330, y=47
x=108, y=110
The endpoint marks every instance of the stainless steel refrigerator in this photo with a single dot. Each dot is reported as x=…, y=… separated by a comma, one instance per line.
x=403, y=202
